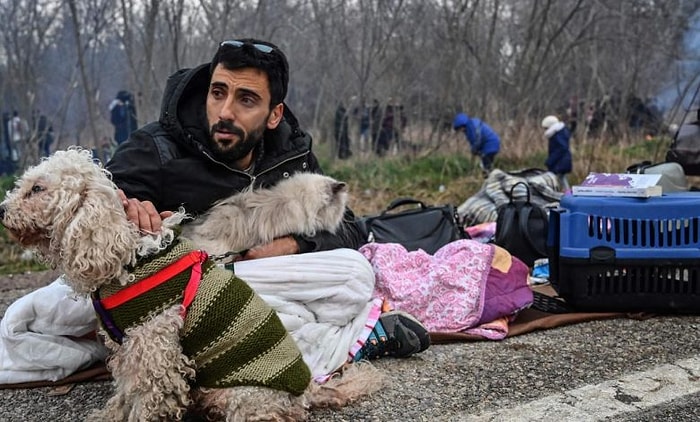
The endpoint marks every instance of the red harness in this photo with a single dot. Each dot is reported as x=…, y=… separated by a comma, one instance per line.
x=193, y=259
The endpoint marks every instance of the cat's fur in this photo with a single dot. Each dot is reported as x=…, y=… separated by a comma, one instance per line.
x=302, y=204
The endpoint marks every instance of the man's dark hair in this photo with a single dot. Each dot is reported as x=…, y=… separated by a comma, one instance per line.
x=273, y=63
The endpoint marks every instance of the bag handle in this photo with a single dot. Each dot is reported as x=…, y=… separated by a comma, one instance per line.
x=638, y=167
x=524, y=220
x=527, y=172
x=404, y=201
x=527, y=189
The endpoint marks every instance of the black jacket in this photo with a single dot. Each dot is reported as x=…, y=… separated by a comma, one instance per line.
x=167, y=162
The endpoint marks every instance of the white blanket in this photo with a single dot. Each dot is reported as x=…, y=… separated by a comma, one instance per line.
x=322, y=298
x=40, y=336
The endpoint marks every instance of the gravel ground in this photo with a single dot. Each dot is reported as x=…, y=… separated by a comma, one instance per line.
x=28, y=280
x=451, y=382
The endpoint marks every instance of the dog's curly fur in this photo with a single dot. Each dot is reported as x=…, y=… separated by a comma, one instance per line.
x=67, y=209
x=304, y=204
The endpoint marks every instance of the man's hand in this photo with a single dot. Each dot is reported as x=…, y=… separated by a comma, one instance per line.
x=281, y=246
x=143, y=213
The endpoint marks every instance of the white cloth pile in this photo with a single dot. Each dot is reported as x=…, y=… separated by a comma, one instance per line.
x=322, y=298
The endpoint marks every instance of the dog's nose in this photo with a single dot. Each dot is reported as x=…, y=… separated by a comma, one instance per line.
x=2, y=212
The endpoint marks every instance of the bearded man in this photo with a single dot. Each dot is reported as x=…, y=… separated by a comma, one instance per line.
x=223, y=128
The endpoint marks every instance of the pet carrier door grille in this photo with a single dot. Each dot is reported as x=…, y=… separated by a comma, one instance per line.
x=644, y=232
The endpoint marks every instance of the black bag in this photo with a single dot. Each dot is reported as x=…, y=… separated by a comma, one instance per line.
x=521, y=228
x=685, y=149
x=672, y=174
x=425, y=227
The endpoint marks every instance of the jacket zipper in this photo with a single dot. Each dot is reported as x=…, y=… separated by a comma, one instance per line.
x=252, y=177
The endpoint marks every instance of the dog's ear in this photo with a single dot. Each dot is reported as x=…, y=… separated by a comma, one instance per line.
x=99, y=241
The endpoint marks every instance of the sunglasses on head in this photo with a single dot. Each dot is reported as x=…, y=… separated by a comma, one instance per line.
x=237, y=44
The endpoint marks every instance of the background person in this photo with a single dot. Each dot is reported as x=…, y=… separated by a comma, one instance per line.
x=19, y=134
x=362, y=113
x=44, y=135
x=122, y=111
x=483, y=140
x=341, y=132
x=558, y=152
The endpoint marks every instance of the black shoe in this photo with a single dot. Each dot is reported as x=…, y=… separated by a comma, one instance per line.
x=396, y=334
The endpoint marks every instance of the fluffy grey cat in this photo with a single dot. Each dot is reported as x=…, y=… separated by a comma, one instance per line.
x=302, y=204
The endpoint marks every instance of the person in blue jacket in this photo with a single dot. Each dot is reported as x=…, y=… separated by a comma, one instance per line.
x=559, y=154
x=483, y=140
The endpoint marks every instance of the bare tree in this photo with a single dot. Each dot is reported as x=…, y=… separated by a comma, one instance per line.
x=507, y=61
x=28, y=30
x=175, y=17
x=89, y=22
x=140, y=22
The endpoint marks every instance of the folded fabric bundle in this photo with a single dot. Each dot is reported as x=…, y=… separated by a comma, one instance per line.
x=466, y=286
x=48, y=335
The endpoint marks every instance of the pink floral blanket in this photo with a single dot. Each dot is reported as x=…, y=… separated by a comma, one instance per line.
x=466, y=286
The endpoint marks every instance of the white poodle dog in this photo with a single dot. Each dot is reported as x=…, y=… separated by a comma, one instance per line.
x=186, y=335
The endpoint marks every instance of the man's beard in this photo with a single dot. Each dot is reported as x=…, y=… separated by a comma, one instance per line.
x=234, y=152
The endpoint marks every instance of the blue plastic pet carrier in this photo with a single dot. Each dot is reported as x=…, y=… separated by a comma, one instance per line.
x=627, y=254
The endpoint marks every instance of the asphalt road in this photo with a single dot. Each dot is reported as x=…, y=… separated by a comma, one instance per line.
x=611, y=370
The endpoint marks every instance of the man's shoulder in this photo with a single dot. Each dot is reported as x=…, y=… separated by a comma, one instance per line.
x=155, y=129
x=150, y=140
x=162, y=141
x=288, y=137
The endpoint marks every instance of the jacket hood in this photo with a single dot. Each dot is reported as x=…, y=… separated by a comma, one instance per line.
x=183, y=108
x=548, y=121
x=554, y=128
x=460, y=120
x=183, y=113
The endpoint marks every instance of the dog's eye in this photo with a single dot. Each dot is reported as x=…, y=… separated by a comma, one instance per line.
x=37, y=189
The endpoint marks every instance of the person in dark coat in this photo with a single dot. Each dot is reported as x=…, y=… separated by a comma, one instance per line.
x=387, y=131
x=123, y=116
x=340, y=130
x=45, y=135
x=559, y=154
x=224, y=128
x=376, y=115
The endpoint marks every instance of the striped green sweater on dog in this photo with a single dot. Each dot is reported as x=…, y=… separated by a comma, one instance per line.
x=234, y=337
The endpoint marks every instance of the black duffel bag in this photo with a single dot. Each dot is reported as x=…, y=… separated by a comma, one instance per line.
x=422, y=227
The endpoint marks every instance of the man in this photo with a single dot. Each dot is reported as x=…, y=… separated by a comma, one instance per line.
x=19, y=133
x=223, y=128
x=122, y=112
x=44, y=131
x=341, y=132
x=483, y=140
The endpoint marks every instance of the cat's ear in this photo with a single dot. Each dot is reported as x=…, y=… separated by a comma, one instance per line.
x=337, y=187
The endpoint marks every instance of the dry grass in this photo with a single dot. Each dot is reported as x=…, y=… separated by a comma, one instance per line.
x=374, y=182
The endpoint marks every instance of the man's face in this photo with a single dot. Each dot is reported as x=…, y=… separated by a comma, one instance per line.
x=238, y=112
